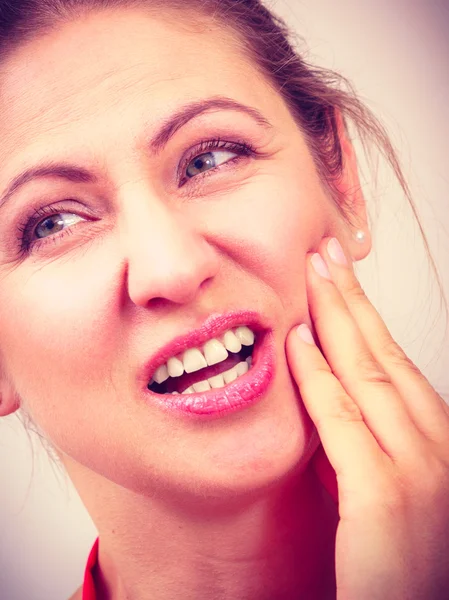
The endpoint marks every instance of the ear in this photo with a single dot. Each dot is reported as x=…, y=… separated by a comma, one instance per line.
x=9, y=399
x=349, y=187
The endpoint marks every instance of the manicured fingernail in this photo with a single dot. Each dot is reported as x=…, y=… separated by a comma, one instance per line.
x=305, y=334
x=336, y=252
x=320, y=266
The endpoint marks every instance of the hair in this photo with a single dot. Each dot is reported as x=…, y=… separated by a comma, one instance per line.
x=314, y=95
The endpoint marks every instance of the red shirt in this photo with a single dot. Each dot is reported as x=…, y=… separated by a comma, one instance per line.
x=88, y=585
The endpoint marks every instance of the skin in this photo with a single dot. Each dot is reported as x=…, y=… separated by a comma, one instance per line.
x=231, y=508
x=385, y=435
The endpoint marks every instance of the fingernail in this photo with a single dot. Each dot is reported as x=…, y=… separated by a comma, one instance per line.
x=320, y=266
x=305, y=334
x=336, y=252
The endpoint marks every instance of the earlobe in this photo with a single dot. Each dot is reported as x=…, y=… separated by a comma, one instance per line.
x=9, y=399
x=348, y=186
x=7, y=407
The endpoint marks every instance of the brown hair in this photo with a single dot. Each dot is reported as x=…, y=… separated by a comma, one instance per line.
x=312, y=94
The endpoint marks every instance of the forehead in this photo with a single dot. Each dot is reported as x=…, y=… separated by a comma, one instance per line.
x=112, y=65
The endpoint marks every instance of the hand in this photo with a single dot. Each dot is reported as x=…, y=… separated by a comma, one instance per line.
x=384, y=435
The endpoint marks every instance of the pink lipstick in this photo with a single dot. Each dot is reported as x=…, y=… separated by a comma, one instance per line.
x=244, y=391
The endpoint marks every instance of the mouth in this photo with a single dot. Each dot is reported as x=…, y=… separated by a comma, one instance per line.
x=218, y=362
x=227, y=390
x=213, y=356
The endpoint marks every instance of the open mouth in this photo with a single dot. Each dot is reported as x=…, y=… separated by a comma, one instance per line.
x=217, y=363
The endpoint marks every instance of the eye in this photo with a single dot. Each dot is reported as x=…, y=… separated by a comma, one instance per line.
x=35, y=231
x=207, y=161
x=209, y=155
x=55, y=223
x=46, y=224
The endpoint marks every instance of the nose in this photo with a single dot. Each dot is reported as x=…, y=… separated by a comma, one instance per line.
x=167, y=257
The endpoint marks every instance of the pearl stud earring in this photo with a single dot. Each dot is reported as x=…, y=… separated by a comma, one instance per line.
x=359, y=236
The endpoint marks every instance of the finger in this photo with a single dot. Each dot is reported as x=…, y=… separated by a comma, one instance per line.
x=361, y=376
x=425, y=406
x=349, y=445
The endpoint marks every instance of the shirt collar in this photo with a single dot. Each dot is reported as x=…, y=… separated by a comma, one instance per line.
x=88, y=585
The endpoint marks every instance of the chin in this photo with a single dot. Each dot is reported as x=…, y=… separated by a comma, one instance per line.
x=261, y=451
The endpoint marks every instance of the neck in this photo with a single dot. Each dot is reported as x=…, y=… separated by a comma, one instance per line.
x=280, y=544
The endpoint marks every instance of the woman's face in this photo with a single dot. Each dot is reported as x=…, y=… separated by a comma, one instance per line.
x=146, y=253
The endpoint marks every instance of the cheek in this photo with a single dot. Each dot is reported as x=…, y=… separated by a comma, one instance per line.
x=50, y=353
x=269, y=225
x=290, y=227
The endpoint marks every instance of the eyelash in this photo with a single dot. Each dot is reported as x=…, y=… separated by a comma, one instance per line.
x=25, y=229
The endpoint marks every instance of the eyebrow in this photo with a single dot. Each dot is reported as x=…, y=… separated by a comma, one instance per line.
x=165, y=132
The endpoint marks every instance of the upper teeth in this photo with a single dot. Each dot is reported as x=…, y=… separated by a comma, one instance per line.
x=211, y=353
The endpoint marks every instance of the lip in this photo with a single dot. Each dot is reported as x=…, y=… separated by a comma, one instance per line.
x=213, y=326
x=243, y=392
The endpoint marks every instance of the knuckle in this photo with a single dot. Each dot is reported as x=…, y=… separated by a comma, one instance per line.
x=354, y=293
x=341, y=407
x=370, y=371
x=346, y=410
x=396, y=355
